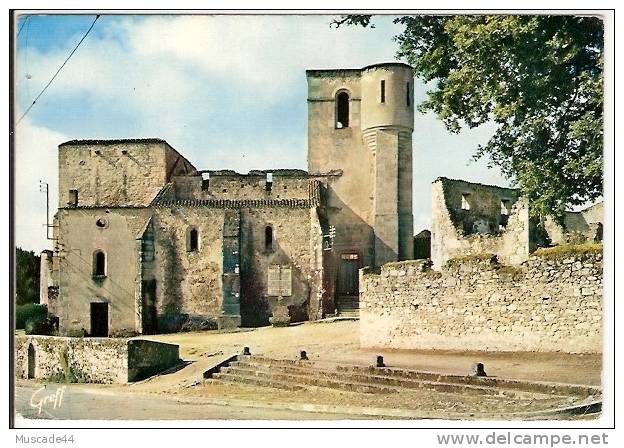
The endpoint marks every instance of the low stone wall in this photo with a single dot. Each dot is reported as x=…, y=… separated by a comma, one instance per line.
x=551, y=302
x=147, y=358
x=90, y=360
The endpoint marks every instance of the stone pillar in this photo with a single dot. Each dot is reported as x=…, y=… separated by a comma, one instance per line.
x=230, y=304
x=386, y=196
x=45, y=276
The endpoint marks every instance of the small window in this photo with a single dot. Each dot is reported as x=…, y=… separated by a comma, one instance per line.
x=73, y=198
x=408, y=95
x=269, y=182
x=465, y=203
x=192, y=240
x=99, y=264
x=505, y=207
x=383, y=91
x=268, y=238
x=342, y=110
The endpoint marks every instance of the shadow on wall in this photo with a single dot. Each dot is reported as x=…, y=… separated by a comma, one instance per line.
x=169, y=318
x=353, y=236
x=256, y=307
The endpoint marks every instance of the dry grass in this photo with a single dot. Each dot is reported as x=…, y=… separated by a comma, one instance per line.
x=568, y=250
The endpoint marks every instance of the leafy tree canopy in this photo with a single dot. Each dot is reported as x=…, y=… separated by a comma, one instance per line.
x=538, y=78
x=26, y=277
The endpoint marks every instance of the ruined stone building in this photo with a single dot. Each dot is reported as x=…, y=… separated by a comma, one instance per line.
x=147, y=242
x=472, y=219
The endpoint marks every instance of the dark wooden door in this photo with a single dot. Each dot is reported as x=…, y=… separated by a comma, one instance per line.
x=99, y=319
x=348, y=279
x=150, y=323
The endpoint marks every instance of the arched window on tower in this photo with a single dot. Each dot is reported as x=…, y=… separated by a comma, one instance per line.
x=342, y=110
x=268, y=238
x=192, y=239
x=99, y=264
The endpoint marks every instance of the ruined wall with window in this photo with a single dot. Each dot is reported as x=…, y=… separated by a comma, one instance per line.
x=282, y=264
x=116, y=172
x=577, y=226
x=470, y=218
x=276, y=184
x=187, y=267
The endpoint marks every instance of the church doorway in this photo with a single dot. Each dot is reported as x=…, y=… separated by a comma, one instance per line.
x=348, y=284
x=99, y=319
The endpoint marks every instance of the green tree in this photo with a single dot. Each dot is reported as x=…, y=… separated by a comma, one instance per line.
x=538, y=78
x=26, y=277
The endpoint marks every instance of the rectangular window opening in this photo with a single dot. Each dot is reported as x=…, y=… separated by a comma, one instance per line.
x=269, y=182
x=505, y=207
x=205, y=181
x=383, y=91
x=73, y=198
x=408, y=96
x=465, y=203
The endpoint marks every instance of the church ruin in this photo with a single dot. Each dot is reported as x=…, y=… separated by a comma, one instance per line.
x=146, y=242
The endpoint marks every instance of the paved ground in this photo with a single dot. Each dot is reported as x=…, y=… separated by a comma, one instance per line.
x=166, y=397
x=81, y=402
x=338, y=342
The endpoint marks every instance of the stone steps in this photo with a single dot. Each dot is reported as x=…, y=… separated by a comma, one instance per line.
x=255, y=381
x=351, y=377
x=357, y=382
x=349, y=307
x=277, y=379
x=500, y=383
x=295, y=375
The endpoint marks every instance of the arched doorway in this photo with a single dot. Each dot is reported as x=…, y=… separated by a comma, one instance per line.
x=31, y=361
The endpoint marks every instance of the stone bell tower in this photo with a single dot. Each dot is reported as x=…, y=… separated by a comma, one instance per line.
x=360, y=121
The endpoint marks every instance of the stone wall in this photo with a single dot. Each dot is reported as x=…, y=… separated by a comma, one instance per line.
x=92, y=360
x=551, y=302
x=147, y=358
x=85, y=360
x=188, y=283
x=286, y=184
x=479, y=227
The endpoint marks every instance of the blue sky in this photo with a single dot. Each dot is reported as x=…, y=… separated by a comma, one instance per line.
x=226, y=91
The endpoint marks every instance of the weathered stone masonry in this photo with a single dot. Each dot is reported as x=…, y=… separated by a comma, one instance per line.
x=548, y=303
x=91, y=360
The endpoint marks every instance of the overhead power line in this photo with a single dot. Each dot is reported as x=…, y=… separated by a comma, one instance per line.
x=23, y=23
x=59, y=70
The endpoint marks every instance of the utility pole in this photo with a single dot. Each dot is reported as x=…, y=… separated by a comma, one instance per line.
x=44, y=188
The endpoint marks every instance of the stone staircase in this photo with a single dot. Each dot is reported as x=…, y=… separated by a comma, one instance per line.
x=348, y=307
x=297, y=375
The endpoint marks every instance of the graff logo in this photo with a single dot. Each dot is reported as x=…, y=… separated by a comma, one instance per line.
x=38, y=399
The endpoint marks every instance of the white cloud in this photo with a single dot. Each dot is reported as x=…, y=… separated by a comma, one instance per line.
x=167, y=76
x=162, y=61
x=35, y=160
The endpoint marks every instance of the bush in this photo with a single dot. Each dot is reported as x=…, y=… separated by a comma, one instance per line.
x=46, y=327
x=33, y=311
